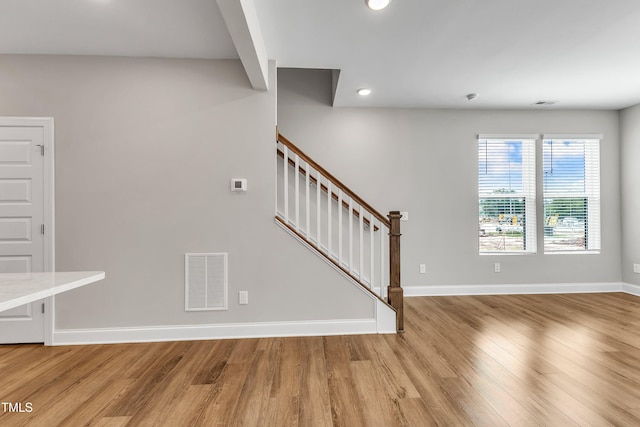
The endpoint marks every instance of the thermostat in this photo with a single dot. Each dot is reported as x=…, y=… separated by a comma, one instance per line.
x=238, y=184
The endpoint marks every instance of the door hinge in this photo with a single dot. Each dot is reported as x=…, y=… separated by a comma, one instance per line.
x=41, y=148
x=41, y=228
x=42, y=308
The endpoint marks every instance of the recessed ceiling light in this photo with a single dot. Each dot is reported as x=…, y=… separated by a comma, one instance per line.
x=377, y=4
x=364, y=91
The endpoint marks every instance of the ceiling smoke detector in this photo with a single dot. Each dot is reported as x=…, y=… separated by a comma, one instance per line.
x=544, y=102
x=472, y=96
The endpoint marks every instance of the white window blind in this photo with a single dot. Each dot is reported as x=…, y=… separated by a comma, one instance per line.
x=571, y=192
x=506, y=195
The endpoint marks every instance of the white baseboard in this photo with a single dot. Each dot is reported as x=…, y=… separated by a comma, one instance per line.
x=542, y=288
x=221, y=331
x=385, y=322
x=631, y=289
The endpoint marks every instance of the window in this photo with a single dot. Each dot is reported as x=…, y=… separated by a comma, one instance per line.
x=571, y=192
x=506, y=195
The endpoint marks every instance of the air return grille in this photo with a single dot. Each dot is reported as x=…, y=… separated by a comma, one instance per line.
x=205, y=282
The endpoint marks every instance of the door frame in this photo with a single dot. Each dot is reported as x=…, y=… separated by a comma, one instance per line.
x=46, y=123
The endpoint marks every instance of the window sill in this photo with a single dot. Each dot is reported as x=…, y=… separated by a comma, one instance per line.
x=505, y=253
x=573, y=253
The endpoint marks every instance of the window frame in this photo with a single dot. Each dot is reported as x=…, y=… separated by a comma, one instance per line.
x=591, y=193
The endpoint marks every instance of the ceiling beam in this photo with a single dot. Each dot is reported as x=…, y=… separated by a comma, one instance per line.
x=241, y=19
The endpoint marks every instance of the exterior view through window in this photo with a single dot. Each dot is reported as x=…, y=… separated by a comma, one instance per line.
x=571, y=192
x=507, y=196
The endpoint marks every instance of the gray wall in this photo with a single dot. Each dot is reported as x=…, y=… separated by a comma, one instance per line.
x=145, y=149
x=630, y=155
x=424, y=161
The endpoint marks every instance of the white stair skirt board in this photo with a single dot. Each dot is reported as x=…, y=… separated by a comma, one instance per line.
x=223, y=331
x=386, y=318
x=542, y=288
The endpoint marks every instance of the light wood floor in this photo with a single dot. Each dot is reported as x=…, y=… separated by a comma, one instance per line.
x=553, y=360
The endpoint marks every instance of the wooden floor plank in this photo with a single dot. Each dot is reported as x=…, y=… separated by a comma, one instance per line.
x=171, y=387
x=394, y=378
x=73, y=386
x=45, y=364
x=95, y=406
x=413, y=412
x=346, y=408
x=605, y=410
x=314, y=386
x=518, y=360
x=187, y=408
x=254, y=397
x=220, y=410
x=212, y=366
x=474, y=407
x=378, y=407
x=150, y=382
x=112, y=422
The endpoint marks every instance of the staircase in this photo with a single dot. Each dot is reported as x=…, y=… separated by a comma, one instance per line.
x=339, y=226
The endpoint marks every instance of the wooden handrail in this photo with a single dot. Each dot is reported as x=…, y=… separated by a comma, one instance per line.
x=334, y=180
x=324, y=188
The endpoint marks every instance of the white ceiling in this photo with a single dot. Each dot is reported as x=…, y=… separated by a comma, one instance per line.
x=415, y=53
x=158, y=28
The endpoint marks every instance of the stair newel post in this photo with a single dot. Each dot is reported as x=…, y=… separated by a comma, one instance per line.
x=395, y=292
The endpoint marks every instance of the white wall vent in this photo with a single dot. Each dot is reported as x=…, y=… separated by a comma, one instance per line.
x=205, y=282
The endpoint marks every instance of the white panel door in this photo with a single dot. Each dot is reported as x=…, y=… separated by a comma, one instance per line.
x=21, y=219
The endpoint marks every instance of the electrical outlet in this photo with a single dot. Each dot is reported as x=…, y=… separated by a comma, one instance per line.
x=423, y=268
x=405, y=216
x=636, y=268
x=496, y=267
x=243, y=297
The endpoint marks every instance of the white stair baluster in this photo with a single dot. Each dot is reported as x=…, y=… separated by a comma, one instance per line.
x=306, y=210
x=318, y=215
x=372, y=248
x=296, y=174
x=361, y=251
x=277, y=178
x=350, y=234
x=383, y=285
x=340, y=227
x=329, y=200
x=285, y=180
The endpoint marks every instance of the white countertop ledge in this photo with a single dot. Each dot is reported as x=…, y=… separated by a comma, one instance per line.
x=17, y=289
